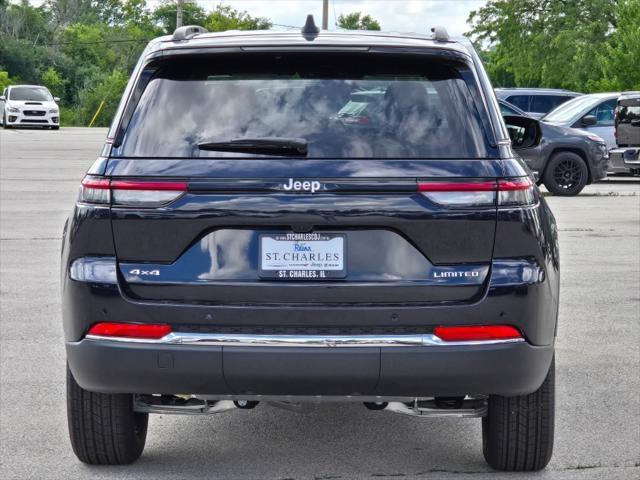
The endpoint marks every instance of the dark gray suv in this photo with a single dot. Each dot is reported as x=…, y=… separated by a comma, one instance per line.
x=249, y=234
x=566, y=159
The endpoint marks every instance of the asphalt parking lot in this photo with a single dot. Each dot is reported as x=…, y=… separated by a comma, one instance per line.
x=598, y=357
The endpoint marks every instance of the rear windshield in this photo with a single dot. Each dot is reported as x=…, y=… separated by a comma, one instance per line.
x=628, y=111
x=339, y=106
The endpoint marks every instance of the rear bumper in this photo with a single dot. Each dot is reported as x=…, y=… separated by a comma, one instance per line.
x=517, y=295
x=129, y=367
x=624, y=160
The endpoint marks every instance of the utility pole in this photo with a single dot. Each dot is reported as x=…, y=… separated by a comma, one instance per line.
x=179, y=13
x=325, y=14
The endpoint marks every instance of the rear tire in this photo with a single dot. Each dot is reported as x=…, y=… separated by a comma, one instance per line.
x=103, y=428
x=517, y=433
x=566, y=174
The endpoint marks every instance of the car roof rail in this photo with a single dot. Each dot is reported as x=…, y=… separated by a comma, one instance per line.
x=187, y=32
x=440, y=34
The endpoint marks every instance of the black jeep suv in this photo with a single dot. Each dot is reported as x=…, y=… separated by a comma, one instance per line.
x=249, y=234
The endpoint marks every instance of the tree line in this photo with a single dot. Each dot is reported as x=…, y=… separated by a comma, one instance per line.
x=581, y=45
x=84, y=50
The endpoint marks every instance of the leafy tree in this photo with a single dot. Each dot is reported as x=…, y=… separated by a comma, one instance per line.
x=24, y=21
x=67, y=12
x=135, y=12
x=87, y=45
x=109, y=89
x=224, y=18
x=68, y=45
x=110, y=12
x=5, y=80
x=357, y=21
x=620, y=59
x=497, y=68
x=52, y=80
x=544, y=43
x=22, y=59
x=165, y=15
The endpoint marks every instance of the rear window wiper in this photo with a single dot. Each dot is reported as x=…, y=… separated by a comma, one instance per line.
x=291, y=147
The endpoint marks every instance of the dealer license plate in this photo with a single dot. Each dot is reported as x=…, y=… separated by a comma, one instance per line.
x=302, y=256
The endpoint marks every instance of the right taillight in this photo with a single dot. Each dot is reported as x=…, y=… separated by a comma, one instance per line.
x=142, y=193
x=516, y=192
x=478, y=193
x=476, y=333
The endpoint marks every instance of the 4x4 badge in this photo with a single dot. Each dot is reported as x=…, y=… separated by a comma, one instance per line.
x=137, y=271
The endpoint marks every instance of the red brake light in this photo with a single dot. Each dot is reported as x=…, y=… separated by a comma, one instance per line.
x=89, y=182
x=464, y=333
x=134, y=185
x=478, y=193
x=457, y=186
x=515, y=184
x=130, y=330
x=461, y=193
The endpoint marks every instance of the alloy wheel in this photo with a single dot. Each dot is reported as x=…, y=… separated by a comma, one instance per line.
x=567, y=174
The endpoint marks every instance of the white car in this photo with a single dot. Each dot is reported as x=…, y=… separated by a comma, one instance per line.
x=29, y=105
x=593, y=113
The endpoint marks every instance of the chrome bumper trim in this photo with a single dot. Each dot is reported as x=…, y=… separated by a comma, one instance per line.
x=200, y=405
x=240, y=340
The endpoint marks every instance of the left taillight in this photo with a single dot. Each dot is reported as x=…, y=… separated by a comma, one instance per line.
x=130, y=192
x=95, y=190
x=478, y=193
x=129, y=330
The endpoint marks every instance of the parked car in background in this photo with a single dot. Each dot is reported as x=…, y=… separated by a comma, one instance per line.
x=626, y=157
x=566, y=159
x=627, y=120
x=593, y=113
x=29, y=105
x=536, y=102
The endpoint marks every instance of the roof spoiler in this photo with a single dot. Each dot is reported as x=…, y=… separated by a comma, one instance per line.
x=187, y=32
x=440, y=34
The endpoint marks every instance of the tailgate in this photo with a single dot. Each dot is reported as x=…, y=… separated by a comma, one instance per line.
x=393, y=244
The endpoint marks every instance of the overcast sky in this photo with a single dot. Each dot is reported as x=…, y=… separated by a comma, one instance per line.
x=394, y=15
